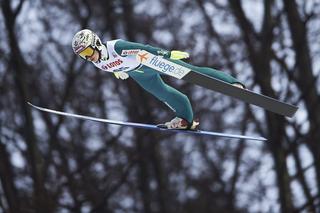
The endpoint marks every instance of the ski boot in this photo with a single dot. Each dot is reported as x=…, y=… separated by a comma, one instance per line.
x=239, y=85
x=180, y=123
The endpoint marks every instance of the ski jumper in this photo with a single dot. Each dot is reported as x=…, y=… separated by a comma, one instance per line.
x=122, y=57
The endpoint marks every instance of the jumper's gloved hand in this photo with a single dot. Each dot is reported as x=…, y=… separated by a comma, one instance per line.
x=121, y=75
x=178, y=55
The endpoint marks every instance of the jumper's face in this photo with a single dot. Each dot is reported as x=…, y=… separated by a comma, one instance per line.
x=94, y=57
x=90, y=54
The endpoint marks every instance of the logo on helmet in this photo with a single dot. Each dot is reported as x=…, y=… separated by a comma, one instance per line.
x=78, y=49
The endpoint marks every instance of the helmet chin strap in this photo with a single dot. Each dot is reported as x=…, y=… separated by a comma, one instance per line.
x=103, y=52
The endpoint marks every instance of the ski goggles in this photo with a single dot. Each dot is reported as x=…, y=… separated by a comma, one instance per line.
x=87, y=52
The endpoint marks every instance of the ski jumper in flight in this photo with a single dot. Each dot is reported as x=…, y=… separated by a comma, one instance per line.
x=119, y=57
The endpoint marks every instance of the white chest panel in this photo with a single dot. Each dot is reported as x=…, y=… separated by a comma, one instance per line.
x=116, y=62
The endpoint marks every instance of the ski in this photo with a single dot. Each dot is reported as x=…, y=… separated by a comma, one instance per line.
x=175, y=70
x=147, y=126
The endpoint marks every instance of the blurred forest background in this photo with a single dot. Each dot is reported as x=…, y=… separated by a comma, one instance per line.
x=56, y=164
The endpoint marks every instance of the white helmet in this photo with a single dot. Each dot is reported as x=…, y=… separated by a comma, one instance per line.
x=84, y=39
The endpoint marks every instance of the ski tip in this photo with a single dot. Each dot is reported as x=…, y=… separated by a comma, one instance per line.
x=30, y=104
x=34, y=106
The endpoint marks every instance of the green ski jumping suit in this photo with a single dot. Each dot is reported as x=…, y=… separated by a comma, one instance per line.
x=121, y=57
